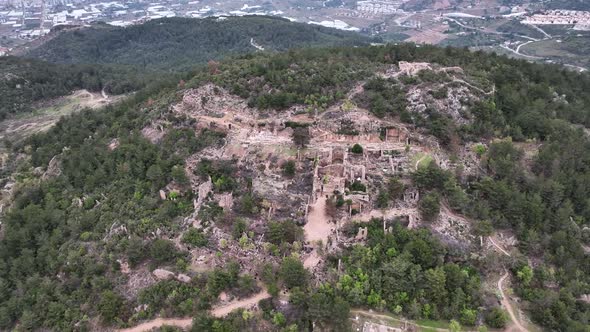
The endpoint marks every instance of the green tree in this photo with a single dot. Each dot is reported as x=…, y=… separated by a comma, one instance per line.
x=496, y=318
x=195, y=238
x=163, y=251
x=110, y=305
x=293, y=273
x=429, y=206
x=454, y=326
x=156, y=175
x=357, y=148
x=279, y=319
x=468, y=317
x=301, y=136
x=525, y=275
x=289, y=168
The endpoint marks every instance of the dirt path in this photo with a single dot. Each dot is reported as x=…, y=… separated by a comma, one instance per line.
x=245, y=303
x=498, y=247
x=506, y=304
x=253, y=43
x=317, y=228
x=548, y=36
x=185, y=323
x=505, y=301
x=518, y=52
x=386, y=317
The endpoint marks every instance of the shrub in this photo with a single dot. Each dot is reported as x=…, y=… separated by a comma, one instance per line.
x=357, y=186
x=496, y=318
x=429, y=206
x=110, y=305
x=195, y=238
x=293, y=273
x=163, y=251
x=357, y=148
x=289, y=168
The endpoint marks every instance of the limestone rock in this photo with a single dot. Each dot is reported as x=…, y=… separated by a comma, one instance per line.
x=183, y=278
x=162, y=274
x=53, y=169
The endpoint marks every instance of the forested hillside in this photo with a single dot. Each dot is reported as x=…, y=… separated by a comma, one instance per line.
x=121, y=60
x=25, y=81
x=179, y=43
x=162, y=185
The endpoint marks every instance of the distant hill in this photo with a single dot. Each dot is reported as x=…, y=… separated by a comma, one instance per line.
x=179, y=43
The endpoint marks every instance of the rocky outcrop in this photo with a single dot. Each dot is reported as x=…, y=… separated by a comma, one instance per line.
x=53, y=169
x=162, y=274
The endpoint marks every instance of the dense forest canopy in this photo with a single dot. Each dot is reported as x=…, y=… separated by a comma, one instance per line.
x=121, y=60
x=178, y=44
x=59, y=252
x=25, y=81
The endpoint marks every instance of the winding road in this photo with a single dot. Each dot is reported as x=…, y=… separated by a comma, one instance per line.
x=186, y=322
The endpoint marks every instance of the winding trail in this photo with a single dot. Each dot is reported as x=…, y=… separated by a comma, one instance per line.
x=548, y=36
x=253, y=43
x=183, y=323
x=521, y=45
x=186, y=322
x=245, y=303
x=518, y=53
x=386, y=317
x=505, y=301
x=506, y=304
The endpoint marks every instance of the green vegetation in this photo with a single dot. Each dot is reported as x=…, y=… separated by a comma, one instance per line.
x=496, y=318
x=25, y=81
x=392, y=191
x=289, y=168
x=403, y=271
x=570, y=49
x=178, y=44
x=195, y=238
x=121, y=60
x=62, y=236
x=429, y=206
x=514, y=27
x=41, y=232
x=357, y=148
x=383, y=97
x=221, y=174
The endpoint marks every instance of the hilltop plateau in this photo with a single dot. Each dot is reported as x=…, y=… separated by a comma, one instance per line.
x=291, y=191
